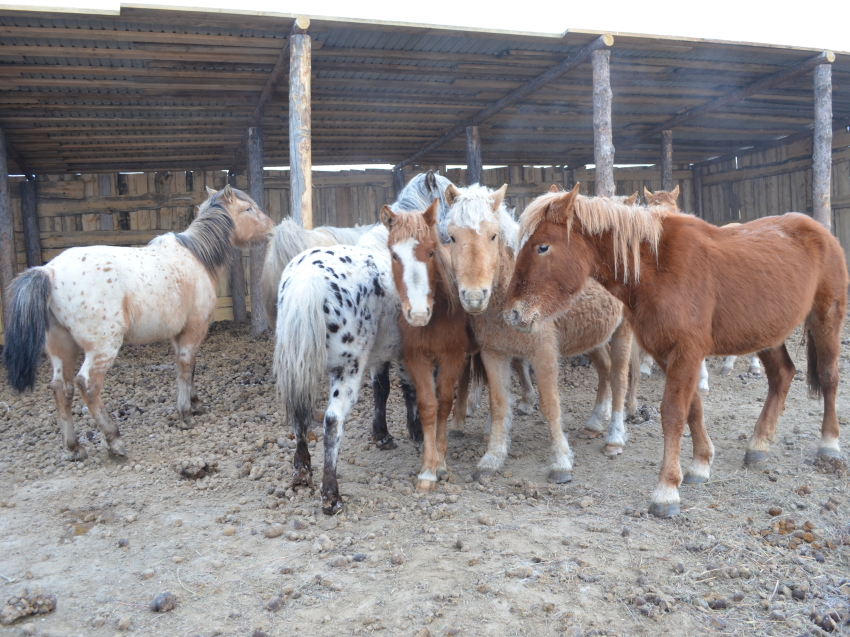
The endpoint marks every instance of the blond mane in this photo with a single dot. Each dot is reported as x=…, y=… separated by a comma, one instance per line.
x=629, y=225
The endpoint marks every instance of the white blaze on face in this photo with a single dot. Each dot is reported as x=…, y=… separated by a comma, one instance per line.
x=415, y=276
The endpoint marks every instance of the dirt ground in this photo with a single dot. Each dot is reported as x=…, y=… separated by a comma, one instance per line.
x=510, y=555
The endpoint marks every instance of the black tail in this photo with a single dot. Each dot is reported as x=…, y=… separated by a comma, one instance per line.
x=27, y=329
x=479, y=375
x=812, y=369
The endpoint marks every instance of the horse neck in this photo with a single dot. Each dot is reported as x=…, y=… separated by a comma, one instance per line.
x=502, y=278
x=605, y=270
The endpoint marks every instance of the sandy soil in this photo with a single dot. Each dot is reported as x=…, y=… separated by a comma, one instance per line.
x=511, y=555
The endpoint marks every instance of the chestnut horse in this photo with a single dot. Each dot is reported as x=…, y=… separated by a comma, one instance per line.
x=483, y=237
x=434, y=330
x=92, y=300
x=693, y=290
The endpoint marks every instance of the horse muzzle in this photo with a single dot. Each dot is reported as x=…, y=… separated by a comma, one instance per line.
x=474, y=301
x=519, y=321
x=418, y=319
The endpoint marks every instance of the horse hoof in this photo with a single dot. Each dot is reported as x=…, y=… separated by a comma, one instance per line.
x=387, y=444
x=525, y=408
x=754, y=457
x=726, y=371
x=78, y=455
x=483, y=472
x=485, y=439
x=331, y=506
x=703, y=392
x=300, y=478
x=188, y=423
x=612, y=449
x=116, y=448
x=645, y=375
x=588, y=434
x=664, y=510
x=692, y=478
x=826, y=452
x=425, y=486
x=456, y=433
x=559, y=477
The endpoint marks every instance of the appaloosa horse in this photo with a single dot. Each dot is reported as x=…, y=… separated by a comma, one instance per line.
x=92, y=300
x=483, y=237
x=693, y=290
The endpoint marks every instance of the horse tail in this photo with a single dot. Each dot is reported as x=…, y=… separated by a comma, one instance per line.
x=26, y=331
x=300, y=354
x=634, y=377
x=812, y=379
x=479, y=379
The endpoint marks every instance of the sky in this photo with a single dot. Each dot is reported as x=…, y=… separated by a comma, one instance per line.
x=737, y=20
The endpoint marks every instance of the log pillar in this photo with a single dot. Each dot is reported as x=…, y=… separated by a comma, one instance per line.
x=398, y=181
x=603, y=142
x=7, y=229
x=822, y=147
x=474, y=168
x=696, y=171
x=237, y=275
x=667, y=160
x=257, y=251
x=300, y=150
x=29, y=215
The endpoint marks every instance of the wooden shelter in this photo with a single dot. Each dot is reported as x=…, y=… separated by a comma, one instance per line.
x=87, y=98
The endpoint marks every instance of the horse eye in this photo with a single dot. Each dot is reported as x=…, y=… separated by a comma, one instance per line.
x=431, y=255
x=493, y=238
x=542, y=249
x=452, y=238
x=395, y=258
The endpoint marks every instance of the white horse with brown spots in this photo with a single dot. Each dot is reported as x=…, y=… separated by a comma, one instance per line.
x=92, y=300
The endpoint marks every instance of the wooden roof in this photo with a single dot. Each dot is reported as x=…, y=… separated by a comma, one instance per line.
x=155, y=88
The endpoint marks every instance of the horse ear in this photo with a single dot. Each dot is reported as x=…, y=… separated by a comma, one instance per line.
x=553, y=188
x=227, y=193
x=630, y=201
x=675, y=192
x=430, y=180
x=559, y=208
x=646, y=192
x=387, y=216
x=452, y=193
x=430, y=215
x=499, y=197
x=210, y=191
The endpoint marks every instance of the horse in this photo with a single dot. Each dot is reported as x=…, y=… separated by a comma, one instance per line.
x=93, y=299
x=434, y=330
x=483, y=237
x=692, y=290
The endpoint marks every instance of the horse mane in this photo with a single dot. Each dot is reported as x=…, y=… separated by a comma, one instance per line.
x=629, y=225
x=474, y=205
x=210, y=236
x=418, y=194
x=411, y=225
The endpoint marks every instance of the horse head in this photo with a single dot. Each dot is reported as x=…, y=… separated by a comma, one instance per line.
x=662, y=198
x=476, y=241
x=250, y=223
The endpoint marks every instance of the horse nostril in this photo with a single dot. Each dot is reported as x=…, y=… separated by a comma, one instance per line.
x=515, y=316
x=484, y=291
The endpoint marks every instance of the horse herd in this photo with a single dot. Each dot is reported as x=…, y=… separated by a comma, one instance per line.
x=453, y=289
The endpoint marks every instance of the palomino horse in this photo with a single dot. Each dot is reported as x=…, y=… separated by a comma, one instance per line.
x=434, y=329
x=92, y=300
x=693, y=290
x=483, y=237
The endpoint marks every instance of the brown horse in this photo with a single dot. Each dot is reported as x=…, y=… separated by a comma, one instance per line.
x=483, y=236
x=434, y=330
x=693, y=290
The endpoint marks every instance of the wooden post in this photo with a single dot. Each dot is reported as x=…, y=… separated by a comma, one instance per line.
x=569, y=179
x=603, y=142
x=667, y=160
x=257, y=251
x=822, y=147
x=696, y=171
x=398, y=181
x=29, y=216
x=300, y=151
x=7, y=229
x=474, y=168
x=237, y=276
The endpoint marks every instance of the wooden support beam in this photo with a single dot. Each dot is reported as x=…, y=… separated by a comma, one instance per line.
x=603, y=143
x=29, y=216
x=696, y=171
x=566, y=65
x=822, y=147
x=237, y=275
x=300, y=143
x=474, y=168
x=7, y=230
x=398, y=181
x=667, y=160
x=257, y=251
x=20, y=162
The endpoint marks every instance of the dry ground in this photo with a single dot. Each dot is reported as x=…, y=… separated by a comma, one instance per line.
x=509, y=556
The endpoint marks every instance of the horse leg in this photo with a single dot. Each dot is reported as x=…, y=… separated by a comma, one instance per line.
x=414, y=422
x=703, y=377
x=755, y=366
x=63, y=352
x=546, y=367
x=824, y=334
x=344, y=388
x=595, y=425
x=780, y=372
x=459, y=413
x=679, y=389
x=186, y=346
x=523, y=371
x=450, y=369
x=381, y=391
x=197, y=405
x=302, y=470
x=497, y=367
x=621, y=350
x=646, y=366
x=699, y=470
x=90, y=381
x=728, y=365
x=421, y=371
